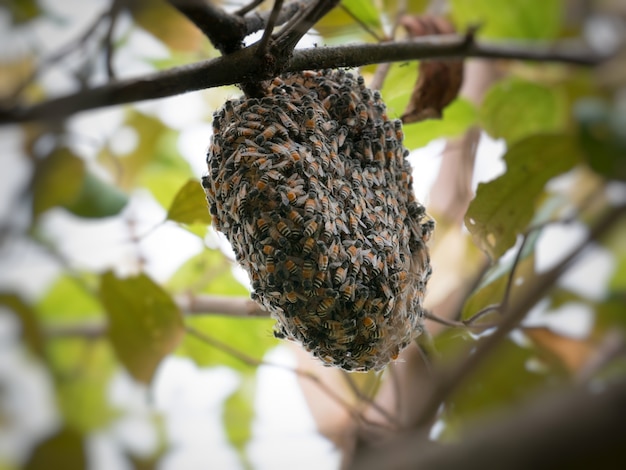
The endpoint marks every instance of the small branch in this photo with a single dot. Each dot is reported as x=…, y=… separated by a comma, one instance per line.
x=269, y=27
x=244, y=65
x=257, y=21
x=219, y=305
x=225, y=31
x=510, y=319
x=252, y=362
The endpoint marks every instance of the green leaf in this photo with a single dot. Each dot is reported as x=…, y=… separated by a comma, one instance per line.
x=68, y=299
x=126, y=167
x=250, y=336
x=514, y=109
x=97, y=199
x=514, y=19
x=65, y=449
x=502, y=380
x=57, y=181
x=190, y=205
x=208, y=272
x=144, y=322
x=602, y=137
x=239, y=414
x=83, y=370
x=22, y=11
x=503, y=207
x=398, y=87
x=31, y=330
x=365, y=12
x=459, y=116
x=340, y=27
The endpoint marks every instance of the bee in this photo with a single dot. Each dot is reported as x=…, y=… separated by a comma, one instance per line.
x=323, y=262
x=320, y=280
x=335, y=329
x=283, y=229
x=308, y=246
x=311, y=227
x=295, y=216
x=292, y=267
x=262, y=225
x=310, y=206
x=310, y=122
x=362, y=113
x=369, y=323
x=341, y=273
x=347, y=291
x=270, y=264
x=286, y=121
x=325, y=305
x=308, y=270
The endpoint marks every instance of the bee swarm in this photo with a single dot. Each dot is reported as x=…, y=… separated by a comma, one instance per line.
x=311, y=187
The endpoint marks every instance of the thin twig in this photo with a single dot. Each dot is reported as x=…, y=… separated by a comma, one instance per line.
x=252, y=362
x=249, y=7
x=364, y=26
x=510, y=319
x=393, y=420
x=269, y=28
x=114, y=12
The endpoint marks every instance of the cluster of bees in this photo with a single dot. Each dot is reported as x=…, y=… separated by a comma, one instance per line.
x=311, y=187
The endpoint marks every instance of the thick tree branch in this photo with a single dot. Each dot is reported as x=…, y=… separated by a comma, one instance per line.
x=576, y=428
x=246, y=65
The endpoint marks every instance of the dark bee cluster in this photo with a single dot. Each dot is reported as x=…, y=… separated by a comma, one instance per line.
x=311, y=187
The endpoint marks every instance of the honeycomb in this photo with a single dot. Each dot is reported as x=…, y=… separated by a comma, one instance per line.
x=311, y=186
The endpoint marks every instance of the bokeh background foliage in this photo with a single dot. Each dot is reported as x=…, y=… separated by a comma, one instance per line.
x=84, y=323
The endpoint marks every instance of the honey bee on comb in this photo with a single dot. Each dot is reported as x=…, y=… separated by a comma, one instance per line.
x=334, y=238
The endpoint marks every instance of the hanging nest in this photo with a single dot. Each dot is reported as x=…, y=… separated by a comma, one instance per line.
x=311, y=186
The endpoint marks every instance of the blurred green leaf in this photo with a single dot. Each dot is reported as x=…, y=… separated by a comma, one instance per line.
x=502, y=380
x=602, y=137
x=514, y=19
x=457, y=118
x=366, y=13
x=208, y=272
x=190, y=205
x=21, y=11
x=167, y=171
x=31, y=330
x=398, y=87
x=65, y=449
x=250, y=336
x=514, y=109
x=83, y=370
x=68, y=299
x=239, y=414
x=126, y=167
x=57, y=180
x=97, y=199
x=144, y=322
x=503, y=207
x=340, y=27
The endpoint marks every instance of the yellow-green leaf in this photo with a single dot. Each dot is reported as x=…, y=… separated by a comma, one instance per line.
x=65, y=449
x=515, y=108
x=189, y=205
x=31, y=330
x=239, y=414
x=144, y=322
x=97, y=199
x=513, y=19
x=459, y=116
x=503, y=207
x=58, y=180
x=250, y=336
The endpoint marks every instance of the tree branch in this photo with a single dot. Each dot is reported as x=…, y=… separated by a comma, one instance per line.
x=576, y=428
x=511, y=317
x=245, y=65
